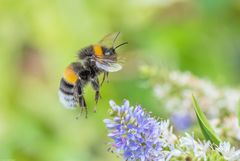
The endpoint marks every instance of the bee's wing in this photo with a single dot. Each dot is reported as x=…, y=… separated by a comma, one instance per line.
x=108, y=65
x=109, y=39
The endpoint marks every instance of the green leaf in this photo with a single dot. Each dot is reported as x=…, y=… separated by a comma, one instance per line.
x=207, y=130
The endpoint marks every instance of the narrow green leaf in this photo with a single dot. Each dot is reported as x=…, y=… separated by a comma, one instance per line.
x=207, y=130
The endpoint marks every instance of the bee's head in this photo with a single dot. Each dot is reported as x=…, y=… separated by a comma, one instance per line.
x=104, y=52
x=105, y=55
x=110, y=53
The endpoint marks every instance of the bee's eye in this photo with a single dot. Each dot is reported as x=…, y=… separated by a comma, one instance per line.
x=107, y=53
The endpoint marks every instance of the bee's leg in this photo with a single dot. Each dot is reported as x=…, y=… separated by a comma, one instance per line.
x=105, y=75
x=95, y=85
x=83, y=105
x=81, y=100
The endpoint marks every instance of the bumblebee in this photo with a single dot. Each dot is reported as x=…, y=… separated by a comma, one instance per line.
x=92, y=61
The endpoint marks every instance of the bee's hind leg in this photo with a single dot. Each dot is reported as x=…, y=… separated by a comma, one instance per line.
x=82, y=104
x=81, y=100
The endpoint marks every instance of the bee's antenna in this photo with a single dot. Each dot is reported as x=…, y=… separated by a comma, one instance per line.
x=120, y=45
x=115, y=39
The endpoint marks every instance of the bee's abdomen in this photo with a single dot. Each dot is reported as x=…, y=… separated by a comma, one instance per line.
x=68, y=101
x=66, y=94
x=66, y=88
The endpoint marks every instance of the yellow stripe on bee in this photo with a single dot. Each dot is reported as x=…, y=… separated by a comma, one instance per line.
x=98, y=51
x=69, y=75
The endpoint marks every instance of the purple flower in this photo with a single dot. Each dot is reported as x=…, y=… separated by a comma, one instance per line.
x=181, y=121
x=136, y=135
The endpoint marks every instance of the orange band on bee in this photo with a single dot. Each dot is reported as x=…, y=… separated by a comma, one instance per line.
x=98, y=51
x=69, y=75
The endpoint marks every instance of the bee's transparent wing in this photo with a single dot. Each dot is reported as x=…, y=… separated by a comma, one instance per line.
x=109, y=39
x=108, y=66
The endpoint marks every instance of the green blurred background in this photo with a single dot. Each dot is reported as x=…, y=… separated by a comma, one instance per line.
x=38, y=39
